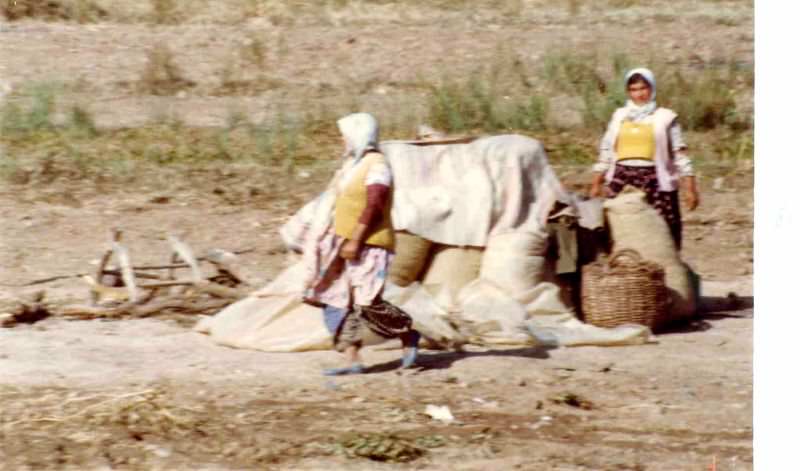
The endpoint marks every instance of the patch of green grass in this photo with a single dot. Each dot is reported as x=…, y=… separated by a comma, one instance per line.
x=704, y=102
x=572, y=74
x=477, y=105
x=624, y=3
x=734, y=147
x=503, y=98
x=32, y=111
x=728, y=21
x=77, y=149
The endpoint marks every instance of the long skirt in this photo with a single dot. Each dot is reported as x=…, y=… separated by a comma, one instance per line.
x=342, y=283
x=665, y=202
x=350, y=293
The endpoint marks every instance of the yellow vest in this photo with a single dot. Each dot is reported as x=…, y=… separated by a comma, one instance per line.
x=636, y=141
x=351, y=202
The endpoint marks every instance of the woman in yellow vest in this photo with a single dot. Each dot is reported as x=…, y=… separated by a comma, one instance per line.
x=643, y=147
x=349, y=257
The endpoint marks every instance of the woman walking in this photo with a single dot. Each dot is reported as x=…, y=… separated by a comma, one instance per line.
x=349, y=250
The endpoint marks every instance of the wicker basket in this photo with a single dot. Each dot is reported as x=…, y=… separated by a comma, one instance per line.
x=623, y=289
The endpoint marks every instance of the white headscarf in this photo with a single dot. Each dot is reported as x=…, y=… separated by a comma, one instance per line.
x=638, y=112
x=360, y=132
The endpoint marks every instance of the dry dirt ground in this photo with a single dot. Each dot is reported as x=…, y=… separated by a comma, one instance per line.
x=152, y=394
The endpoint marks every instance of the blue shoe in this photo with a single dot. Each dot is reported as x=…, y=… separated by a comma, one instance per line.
x=410, y=357
x=356, y=369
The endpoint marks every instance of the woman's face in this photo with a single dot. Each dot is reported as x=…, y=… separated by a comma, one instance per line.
x=640, y=92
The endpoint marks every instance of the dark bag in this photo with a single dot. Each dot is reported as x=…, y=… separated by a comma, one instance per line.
x=385, y=319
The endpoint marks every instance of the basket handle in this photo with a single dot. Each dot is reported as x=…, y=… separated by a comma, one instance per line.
x=632, y=254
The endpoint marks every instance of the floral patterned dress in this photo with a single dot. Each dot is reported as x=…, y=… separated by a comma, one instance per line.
x=342, y=283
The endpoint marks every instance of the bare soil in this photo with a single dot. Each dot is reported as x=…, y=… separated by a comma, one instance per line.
x=152, y=394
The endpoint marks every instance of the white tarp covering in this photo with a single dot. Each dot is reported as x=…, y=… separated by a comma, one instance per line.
x=461, y=194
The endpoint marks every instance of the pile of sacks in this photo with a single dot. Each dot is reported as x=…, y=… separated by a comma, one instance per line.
x=488, y=293
x=493, y=197
x=499, y=295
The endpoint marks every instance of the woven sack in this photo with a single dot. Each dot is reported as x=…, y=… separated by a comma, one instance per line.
x=634, y=224
x=515, y=261
x=453, y=267
x=623, y=289
x=410, y=256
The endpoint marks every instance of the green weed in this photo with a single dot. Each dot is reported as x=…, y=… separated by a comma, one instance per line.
x=35, y=111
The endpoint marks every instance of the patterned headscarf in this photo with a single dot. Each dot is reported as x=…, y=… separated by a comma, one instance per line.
x=360, y=132
x=638, y=112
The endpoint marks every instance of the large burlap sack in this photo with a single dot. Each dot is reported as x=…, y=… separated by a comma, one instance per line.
x=410, y=256
x=634, y=224
x=453, y=267
x=515, y=261
x=487, y=315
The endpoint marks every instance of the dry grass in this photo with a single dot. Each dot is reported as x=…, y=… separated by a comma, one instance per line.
x=161, y=75
x=166, y=12
x=354, y=12
x=159, y=426
x=82, y=11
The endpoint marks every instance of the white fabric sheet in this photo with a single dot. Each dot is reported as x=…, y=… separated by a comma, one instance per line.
x=461, y=194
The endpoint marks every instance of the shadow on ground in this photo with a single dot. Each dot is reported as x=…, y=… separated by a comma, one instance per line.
x=444, y=360
x=712, y=308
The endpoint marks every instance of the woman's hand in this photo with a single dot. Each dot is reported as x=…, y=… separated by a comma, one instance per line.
x=352, y=246
x=350, y=249
x=597, y=186
x=692, y=198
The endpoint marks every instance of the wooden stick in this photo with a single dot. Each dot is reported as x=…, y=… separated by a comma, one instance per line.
x=219, y=291
x=117, y=272
x=138, y=274
x=116, y=236
x=191, y=306
x=43, y=280
x=186, y=254
x=166, y=284
x=220, y=259
x=124, y=261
